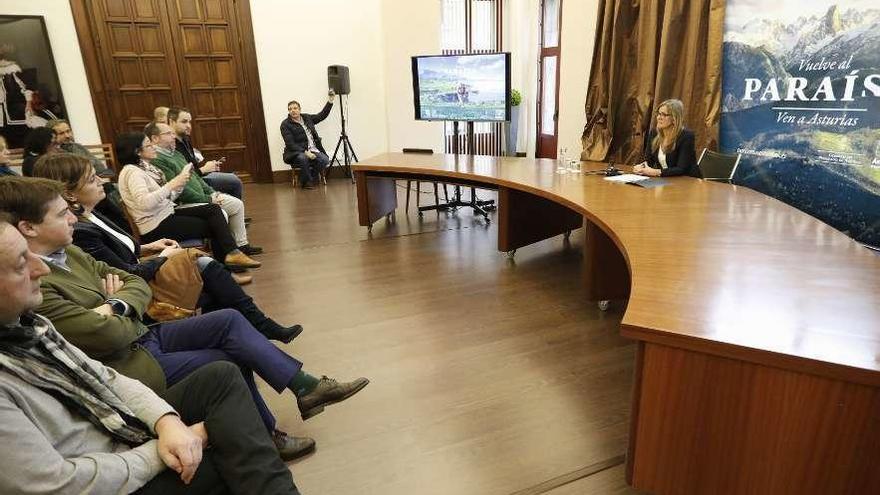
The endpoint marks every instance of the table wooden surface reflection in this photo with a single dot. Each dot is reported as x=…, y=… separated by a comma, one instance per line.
x=758, y=366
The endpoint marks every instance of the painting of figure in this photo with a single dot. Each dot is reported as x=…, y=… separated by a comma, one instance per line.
x=30, y=93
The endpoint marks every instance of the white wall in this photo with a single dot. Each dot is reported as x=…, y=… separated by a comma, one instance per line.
x=578, y=38
x=296, y=40
x=410, y=28
x=68, y=62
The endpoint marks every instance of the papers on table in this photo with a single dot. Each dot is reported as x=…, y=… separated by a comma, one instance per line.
x=627, y=178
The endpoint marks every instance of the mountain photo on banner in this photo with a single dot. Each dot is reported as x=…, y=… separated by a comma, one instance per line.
x=801, y=103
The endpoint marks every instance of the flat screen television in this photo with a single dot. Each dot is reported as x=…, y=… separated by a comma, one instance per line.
x=474, y=87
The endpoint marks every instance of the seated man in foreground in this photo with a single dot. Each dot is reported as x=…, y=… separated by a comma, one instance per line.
x=71, y=425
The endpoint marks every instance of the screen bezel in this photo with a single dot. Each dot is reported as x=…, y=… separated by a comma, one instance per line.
x=417, y=106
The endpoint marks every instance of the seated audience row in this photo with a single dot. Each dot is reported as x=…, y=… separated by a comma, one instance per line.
x=105, y=241
x=72, y=425
x=100, y=308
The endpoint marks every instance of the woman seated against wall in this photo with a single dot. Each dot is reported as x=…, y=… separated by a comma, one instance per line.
x=669, y=149
x=107, y=242
x=149, y=199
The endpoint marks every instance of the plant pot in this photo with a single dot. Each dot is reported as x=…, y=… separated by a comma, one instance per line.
x=512, y=129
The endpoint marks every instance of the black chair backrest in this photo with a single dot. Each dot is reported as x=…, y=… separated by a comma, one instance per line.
x=717, y=166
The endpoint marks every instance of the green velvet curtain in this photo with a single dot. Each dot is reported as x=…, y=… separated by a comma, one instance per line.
x=645, y=52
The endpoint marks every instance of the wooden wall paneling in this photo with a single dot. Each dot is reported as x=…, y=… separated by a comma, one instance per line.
x=127, y=59
x=205, y=29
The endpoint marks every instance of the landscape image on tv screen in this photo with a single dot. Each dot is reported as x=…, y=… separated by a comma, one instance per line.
x=461, y=87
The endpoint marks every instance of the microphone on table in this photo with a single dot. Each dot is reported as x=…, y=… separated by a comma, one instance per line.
x=611, y=170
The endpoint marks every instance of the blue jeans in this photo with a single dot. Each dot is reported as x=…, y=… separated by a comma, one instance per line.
x=309, y=170
x=224, y=182
x=184, y=346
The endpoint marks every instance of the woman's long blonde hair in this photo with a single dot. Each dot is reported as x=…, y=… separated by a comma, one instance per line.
x=670, y=136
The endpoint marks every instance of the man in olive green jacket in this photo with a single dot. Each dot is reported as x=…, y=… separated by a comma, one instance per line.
x=110, y=338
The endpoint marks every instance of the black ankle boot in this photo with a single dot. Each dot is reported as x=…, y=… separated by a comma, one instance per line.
x=274, y=331
x=224, y=292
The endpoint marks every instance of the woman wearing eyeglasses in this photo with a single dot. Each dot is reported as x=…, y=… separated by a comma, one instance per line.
x=669, y=149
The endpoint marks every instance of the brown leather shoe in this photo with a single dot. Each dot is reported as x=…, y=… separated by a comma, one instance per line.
x=290, y=448
x=242, y=279
x=242, y=260
x=328, y=391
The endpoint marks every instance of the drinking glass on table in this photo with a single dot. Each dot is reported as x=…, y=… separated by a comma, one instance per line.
x=561, y=161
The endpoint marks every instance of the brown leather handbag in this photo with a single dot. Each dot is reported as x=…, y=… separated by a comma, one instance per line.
x=176, y=287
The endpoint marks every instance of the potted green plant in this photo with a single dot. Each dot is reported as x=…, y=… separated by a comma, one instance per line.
x=513, y=125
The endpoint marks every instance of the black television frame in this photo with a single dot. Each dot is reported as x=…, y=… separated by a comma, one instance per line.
x=415, y=84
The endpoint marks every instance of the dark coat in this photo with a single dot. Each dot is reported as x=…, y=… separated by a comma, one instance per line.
x=682, y=160
x=185, y=147
x=295, y=139
x=105, y=247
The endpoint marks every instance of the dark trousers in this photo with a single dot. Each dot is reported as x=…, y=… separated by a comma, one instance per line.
x=309, y=170
x=241, y=458
x=193, y=222
x=184, y=346
x=221, y=291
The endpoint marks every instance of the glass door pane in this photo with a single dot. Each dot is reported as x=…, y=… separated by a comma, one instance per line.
x=548, y=95
x=551, y=24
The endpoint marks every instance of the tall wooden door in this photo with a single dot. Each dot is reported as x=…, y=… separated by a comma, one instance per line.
x=199, y=54
x=548, y=79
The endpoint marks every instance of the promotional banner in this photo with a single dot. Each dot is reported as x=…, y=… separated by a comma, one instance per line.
x=801, y=103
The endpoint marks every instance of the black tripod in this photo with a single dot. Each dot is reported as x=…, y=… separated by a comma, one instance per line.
x=348, y=154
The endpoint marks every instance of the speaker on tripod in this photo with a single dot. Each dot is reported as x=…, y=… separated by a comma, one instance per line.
x=338, y=81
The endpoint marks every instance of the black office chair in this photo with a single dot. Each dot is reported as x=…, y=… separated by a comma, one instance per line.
x=717, y=166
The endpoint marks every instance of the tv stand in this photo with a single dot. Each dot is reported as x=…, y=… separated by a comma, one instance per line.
x=479, y=206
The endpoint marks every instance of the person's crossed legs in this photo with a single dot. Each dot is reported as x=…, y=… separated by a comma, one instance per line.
x=241, y=458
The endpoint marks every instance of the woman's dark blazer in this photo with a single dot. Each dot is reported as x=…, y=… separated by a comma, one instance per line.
x=680, y=161
x=104, y=247
x=295, y=139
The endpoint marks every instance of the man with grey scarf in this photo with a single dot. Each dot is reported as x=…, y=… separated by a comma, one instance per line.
x=72, y=425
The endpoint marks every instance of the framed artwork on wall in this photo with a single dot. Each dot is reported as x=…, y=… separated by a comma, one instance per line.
x=30, y=93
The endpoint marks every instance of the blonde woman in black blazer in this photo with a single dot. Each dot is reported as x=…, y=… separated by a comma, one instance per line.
x=669, y=149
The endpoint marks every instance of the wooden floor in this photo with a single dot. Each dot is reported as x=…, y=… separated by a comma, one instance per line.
x=487, y=376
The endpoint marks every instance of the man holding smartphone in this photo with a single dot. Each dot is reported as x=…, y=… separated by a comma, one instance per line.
x=180, y=119
x=302, y=144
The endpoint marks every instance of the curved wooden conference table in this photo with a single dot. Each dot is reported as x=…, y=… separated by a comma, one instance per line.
x=758, y=326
